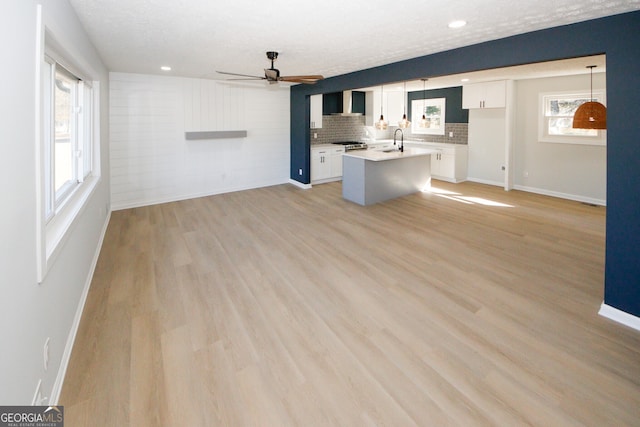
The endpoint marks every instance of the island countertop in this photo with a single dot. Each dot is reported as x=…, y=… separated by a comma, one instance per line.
x=377, y=156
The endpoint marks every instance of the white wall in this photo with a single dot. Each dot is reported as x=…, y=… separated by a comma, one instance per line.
x=568, y=170
x=152, y=162
x=487, y=145
x=31, y=312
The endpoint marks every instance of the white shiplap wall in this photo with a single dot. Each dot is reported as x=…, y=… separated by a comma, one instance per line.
x=152, y=162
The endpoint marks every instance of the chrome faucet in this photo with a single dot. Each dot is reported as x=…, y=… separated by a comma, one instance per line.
x=401, y=147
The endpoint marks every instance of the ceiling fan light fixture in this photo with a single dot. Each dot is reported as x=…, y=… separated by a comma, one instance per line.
x=592, y=114
x=272, y=75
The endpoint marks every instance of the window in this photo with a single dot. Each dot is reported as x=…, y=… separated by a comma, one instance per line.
x=434, y=113
x=556, y=119
x=67, y=128
x=68, y=142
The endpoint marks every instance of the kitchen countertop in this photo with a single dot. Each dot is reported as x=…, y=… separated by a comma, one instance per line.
x=415, y=142
x=377, y=156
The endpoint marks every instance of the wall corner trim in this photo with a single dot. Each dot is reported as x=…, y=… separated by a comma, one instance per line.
x=619, y=316
x=299, y=184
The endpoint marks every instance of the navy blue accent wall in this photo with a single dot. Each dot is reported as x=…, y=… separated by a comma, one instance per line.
x=619, y=38
x=453, y=107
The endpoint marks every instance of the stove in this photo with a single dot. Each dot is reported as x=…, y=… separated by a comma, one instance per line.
x=352, y=145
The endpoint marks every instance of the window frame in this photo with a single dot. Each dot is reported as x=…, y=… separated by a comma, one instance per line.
x=418, y=106
x=56, y=219
x=598, y=138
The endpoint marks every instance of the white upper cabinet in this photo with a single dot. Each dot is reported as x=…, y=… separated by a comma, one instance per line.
x=395, y=107
x=315, y=119
x=485, y=95
x=392, y=107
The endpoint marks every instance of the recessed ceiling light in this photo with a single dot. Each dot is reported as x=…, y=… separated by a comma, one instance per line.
x=457, y=24
x=165, y=68
x=464, y=80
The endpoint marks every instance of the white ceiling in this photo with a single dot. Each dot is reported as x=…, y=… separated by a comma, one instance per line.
x=332, y=37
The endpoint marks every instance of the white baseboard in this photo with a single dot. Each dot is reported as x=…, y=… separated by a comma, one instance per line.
x=560, y=195
x=66, y=355
x=486, y=181
x=300, y=184
x=619, y=316
x=117, y=206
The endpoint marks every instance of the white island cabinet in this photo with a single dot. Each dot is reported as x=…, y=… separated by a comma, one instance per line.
x=370, y=176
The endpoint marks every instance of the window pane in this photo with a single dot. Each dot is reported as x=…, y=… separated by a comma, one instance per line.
x=63, y=128
x=87, y=133
x=564, y=126
x=564, y=107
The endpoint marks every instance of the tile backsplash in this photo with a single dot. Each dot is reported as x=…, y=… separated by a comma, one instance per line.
x=352, y=128
x=336, y=128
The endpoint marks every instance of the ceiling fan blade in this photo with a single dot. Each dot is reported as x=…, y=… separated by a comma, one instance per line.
x=253, y=79
x=310, y=79
x=240, y=75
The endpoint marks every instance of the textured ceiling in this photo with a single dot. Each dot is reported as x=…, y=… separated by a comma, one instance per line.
x=332, y=37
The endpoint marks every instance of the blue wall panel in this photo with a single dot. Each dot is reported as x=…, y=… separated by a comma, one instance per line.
x=454, y=113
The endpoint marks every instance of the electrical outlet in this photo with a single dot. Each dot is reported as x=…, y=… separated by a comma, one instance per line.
x=315, y=135
x=46, y=353
x=450, y=134
x=525, y=174
x=300, y=172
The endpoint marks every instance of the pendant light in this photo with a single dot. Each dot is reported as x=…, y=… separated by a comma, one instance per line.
x=381, y=124
x=592, y=114
x=423, y=122
x=404, y=123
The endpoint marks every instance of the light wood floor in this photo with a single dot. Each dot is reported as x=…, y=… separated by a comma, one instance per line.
x=289, y=307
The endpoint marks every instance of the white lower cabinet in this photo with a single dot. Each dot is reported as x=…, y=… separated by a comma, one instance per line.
x=449, y=164
x=443, y=165
x=326, y=163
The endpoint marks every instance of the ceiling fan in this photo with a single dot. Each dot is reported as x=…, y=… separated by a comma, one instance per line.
x=272, y=75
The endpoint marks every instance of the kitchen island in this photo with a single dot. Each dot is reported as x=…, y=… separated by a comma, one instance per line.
x=370, y=176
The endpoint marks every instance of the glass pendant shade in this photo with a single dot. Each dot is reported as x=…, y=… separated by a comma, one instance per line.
x=381, y=124
x=592, y=114
x=424, y=123
x=404, y=123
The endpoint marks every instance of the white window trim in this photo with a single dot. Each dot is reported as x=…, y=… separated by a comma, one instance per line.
x=51, y=234
x=543, y=136
x=418, y=106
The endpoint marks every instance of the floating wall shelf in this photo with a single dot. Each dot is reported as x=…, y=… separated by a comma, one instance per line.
x=216, y=134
